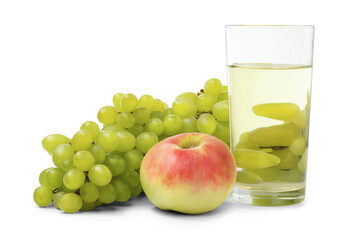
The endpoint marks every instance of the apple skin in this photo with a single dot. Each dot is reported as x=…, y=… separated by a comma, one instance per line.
x=190, y=173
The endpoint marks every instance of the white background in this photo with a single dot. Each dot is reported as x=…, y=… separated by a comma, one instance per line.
x=61, y=61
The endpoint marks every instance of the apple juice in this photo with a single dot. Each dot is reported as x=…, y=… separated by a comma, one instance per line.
x=269, y=116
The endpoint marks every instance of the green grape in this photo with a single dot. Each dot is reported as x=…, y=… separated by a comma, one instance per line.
x=42, y=176
x=158, y=114
x=107, y=194
x=222, y=96
x=142, y=115
x=136, y=129
x=298, y=146
x=70, y=202
x=50, y=142
x=172, y=125
x=300, y=119
x=91, y=127
x=154, y=125
x=221, y=111
x=107, y=115
x=67, y=165
x=248, y=177
x=126, y=119
x=136, y=190
x=113, y=127
x=159, y=105
x=88, y=206
x=129, y=102
x=147, y=101
x=89, y=192
x=134, y=158
x=116, y=100
x=222, y=131
x=189, y=124
x=62, y=153
x=188, y=95
x=108, y=140
x=146, y=141
x=81, y=140
x=116, y=164
x=56, y=197
x=126, y=141
x=83, y=160
x=54, y=178
x=184, y=107
x=100, y=175
x=43, y=196
x=167, y=111
x=206, y=123
x=74, y=179
x=302, y=163
x=254, y=159
x=67, y=190
x=123, y=191
x=212, y=86
x=131, y=177
x=98, y=152
x=224, y=88
x=205, y=102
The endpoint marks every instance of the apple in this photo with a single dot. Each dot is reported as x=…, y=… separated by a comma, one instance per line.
x=190, y=173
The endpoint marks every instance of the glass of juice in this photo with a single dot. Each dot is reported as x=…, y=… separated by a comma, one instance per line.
x=269, y=83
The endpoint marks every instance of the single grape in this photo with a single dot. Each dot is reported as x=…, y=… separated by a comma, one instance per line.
x=98, y=152
x=146, y=141
x=206, y=123
x=134, y=158
x=298, y=146
x=107, y=115
x=129, y=102
x=107, y=194
x=62, y=153
x=67, y=165
x=222, y=131
x=205, y=102
x=167, y=111
x=158, y=114
x=126, y=119
x=131, y=177
x=54, y=178
x=56, y=197
x=116, y=100
x=126, y=141
x=83, y=160
x=188, y=95
x=70, y=202
x=100, y=175
x=43, y=196
x=50, y=142
x=88, y=206
x=123, y=191
x=184, y=107
x=116, y=164
x=81, y=140
x=212, y=86
x=108, y=140
x=147, y=101
x=42, y=176
x=136, y=190
x=221, y=111
x=142, y=115
x=74, y=179
x=159, y=105
x=91, y=127
x=136, y=129
x=189, y=124
x=222, y=96
x=154, y=125
x=89, y=192
x=113, y=127
x=172, y=125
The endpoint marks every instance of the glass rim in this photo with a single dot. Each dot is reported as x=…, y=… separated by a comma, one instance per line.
x=267, y=25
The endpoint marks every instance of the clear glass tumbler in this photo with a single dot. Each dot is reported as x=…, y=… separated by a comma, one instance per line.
x=269, y=81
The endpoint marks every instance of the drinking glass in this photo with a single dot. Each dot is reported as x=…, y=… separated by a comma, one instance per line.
x=269, y=83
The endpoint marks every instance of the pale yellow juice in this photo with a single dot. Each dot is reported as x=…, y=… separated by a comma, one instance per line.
x=269, y=115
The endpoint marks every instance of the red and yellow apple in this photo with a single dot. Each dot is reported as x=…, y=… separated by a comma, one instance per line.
x=190, y=173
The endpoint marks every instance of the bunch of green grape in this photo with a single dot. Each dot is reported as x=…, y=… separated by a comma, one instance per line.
x=100, y=165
